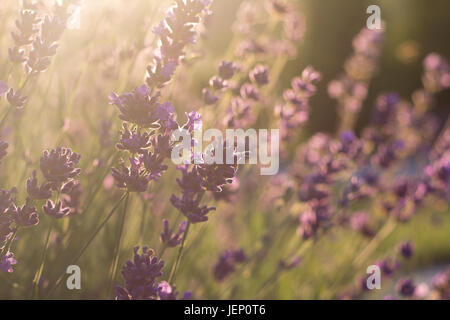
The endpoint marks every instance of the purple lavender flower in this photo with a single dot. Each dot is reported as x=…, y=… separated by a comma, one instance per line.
x=441, y=284
x=16, y=55
x=153, y=161
x=304, y=85
x=360, y=223
x=308, y=224
x=191, y=180
x=172, y=239
x=133, y=141
x=8, y=210
x=71, y=196
x=385, y=108
x=239, y=255
x=58, y=166
x=279, y=6
x=226, y=263
x=193, y=117
x=7, y=262
x=208, y=97
x=260, y=75
x=224, y=266
x=137, y=107
x=52, y=29
x=168, y=292
x=351, y=88
x=248, y=91
x=166, y=114
x=3, y=88
x=350, y=145
x=406, y=249
x=295, y=111
x=227, y=69
x=239, y=114
x=388, y=267
x=405, y=287
x=27, y=215
x=159, y=74
x=37, y=192
x=437, y=73
x=26, y=27
x=218, y=83
x=175, y=32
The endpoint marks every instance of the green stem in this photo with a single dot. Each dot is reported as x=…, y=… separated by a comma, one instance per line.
x=180, y=252
x=38, y=274
x=384, y=232
x=273, y=279
x=113, y=269
x=93, y=236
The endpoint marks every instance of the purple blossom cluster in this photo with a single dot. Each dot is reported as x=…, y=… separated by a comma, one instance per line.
x=35, y=42
x=58, y=167
x=145, y=136
x=227, y=262
x=350, y=89
x=175, y=32
x=13, y=217
x=141, y=274
x=294, y=112
x=198, y=178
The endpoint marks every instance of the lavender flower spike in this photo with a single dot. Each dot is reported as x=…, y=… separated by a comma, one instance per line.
x=171, y=239
x=58, y=165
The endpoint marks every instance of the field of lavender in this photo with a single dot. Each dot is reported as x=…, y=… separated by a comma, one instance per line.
x=92, y=205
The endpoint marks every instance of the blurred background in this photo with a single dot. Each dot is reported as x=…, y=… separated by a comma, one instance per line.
x=414, y=28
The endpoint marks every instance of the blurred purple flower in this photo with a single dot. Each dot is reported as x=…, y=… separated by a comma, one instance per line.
x=248, y=91
x=406, y=249
x=189, y=205
x=227, y=69
x=132, y=178
x=140, y=276
x=226, y=263
x=405, y=287
x=7, y=262
x=260, y=75
x=3, y=88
